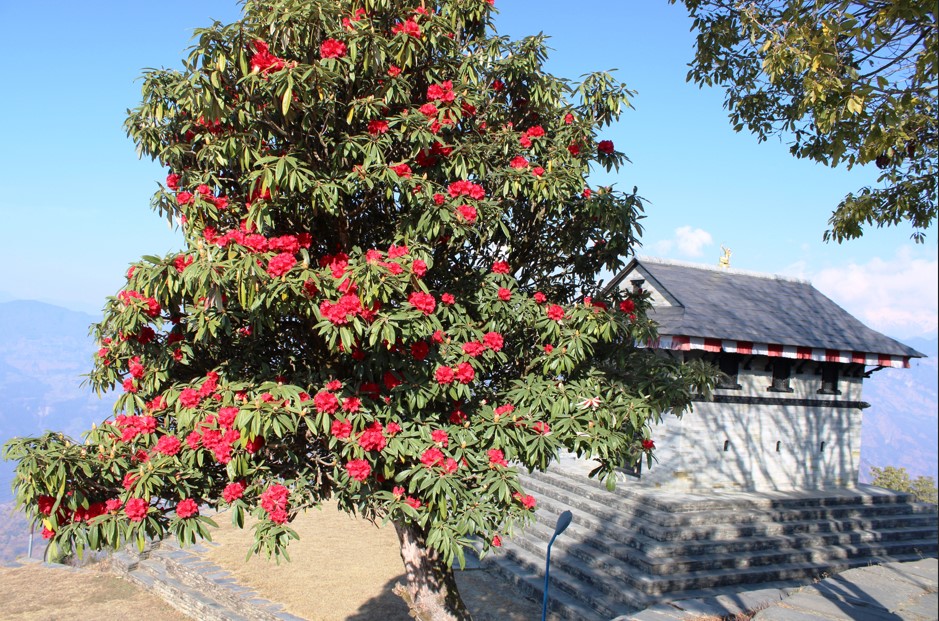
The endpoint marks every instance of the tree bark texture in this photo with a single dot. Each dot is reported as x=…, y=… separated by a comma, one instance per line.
x=431, y=592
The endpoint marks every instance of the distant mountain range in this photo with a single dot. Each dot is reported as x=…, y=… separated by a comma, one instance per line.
x=900, y=427
x=45, y=350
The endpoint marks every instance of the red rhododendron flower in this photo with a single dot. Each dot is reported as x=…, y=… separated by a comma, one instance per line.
x=279, y=516
x=447, y=298
x=466, y=188
x=496, y=540
x=226, y=416
x=394, y=71
x=331, y=48
x=395, y=251
x=341, y=429
x=542, y=428
x=497, y=458
x=233, y=491
x=333, y=385
x=172, y=181
x=372, y=439
x=351, y=404
x=289, y=244
x=500, y=267
x=274, y=497
x=498, y=85
x=439, y=436
x=185, y=198
x=168, y=445
x=325, y=402
x=504, y=294
x=493, y=340
x=605, y=147
x=423, y=302
x=548, y=348
x=464, y=373
x=587, y=193
x=568, y=118
x=535, y=131
x=129, y=385
x=359, y=469
x=420, y=350
x=574, y=149
x=113, y=505
x=402, y=170
x=187, y=508
x=281, y=264
x=539, y=297
x=527, y=501
x=408, y=27
x=627, y=306
x=466, y=213
x=525, y=143
x=444, y=375
x=438, y=336
x=648, y=445
x=537, y=171
x=189, y=398
x=376, y=127
x=518, y=162
x=392, y=428
x=136, y=509
x=47, y=533
x=418, y=268
x=253, y=445
x=502, y=410
x=473, y=348
x=555, y=312
x=263, y=60
x=45, y=504
x=432, y=457
x=439, y=199
x=412, y=502
x=429, y=110
x=397, y=491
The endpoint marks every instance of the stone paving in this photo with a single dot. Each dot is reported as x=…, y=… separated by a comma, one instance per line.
x=889, y=592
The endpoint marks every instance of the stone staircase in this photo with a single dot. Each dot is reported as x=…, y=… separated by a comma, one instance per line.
x=194, y=586
x=627, y=550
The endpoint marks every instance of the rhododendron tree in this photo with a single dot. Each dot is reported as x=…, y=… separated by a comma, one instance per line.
x=389, y=292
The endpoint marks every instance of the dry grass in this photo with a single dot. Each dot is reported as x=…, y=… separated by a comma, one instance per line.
x=344, y=569
x=34, y=592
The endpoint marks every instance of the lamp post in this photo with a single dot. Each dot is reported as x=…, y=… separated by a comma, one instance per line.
x=564, y=520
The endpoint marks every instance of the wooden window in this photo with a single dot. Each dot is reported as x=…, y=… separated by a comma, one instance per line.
x=729, y=365
x=829, y=379
x=782, y=371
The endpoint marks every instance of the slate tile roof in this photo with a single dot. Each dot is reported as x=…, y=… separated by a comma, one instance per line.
x=743, y=306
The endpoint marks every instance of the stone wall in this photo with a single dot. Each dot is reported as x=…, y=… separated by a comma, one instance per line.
x=755, y=439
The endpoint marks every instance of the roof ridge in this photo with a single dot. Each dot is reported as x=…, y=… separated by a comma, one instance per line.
x=714, y=268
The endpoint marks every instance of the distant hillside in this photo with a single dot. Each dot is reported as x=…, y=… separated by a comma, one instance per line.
x=44, y=351
x=900, y=428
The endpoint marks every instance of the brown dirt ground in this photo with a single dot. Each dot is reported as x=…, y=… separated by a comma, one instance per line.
x=344, y=569
x=34, y=591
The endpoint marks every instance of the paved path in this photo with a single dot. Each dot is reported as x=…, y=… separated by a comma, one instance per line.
x=889, y=592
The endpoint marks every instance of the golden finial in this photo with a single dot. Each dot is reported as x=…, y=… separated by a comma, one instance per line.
x=724, y=261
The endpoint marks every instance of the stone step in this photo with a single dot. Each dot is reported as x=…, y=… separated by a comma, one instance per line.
x=605, y=518
x=195, y=586
x=568, y=597
x=573, y=491
x=656, y=553
x=716, y=500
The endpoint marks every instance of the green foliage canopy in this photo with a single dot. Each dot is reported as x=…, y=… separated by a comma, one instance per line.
x=850, y=82
x=388, y=292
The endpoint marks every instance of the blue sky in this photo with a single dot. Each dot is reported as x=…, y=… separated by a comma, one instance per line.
x=74, y=198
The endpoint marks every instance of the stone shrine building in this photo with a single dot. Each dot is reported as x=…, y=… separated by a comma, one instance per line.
x=787, y=414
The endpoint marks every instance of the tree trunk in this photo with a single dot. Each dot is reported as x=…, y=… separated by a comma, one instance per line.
x=431, y=591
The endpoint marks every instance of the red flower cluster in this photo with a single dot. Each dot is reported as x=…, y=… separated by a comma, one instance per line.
x=151, y=306
x=136, y=509
x=527, y=501
x=408, y=27
x=359, y=469
x=441, y=92
x=263, y=61
x=281, y=264
x=339, y=313
x=168, y=445
x=233, y=491
x=274, y=501
x=466, y=188
x=331, y=48
x=373, y=438
x=605, y=147
x=555, y=312
x=376, y=127
x=497, y=459
x=648, y=445
x=423, y=302
x=466, y=213
x=187, y=508
x=132, y=426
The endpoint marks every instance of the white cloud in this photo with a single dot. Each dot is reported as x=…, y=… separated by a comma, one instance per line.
x=687, y=241
x=691, y=241
x=898, y=296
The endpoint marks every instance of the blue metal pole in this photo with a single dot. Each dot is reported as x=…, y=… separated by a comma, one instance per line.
x=564, y=520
